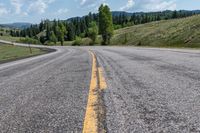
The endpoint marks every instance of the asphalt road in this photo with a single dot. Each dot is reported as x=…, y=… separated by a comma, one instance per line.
x=148, y=90
x=45, y=94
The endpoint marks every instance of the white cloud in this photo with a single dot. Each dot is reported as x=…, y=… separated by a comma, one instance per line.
x=87, y=2
x=162, y=5
x=37, y=7
x=128, y=5
x=62, y=11
x=17, y=5
x=23, y=7
x=90, y=3
x=3, y=10
x=149, y=5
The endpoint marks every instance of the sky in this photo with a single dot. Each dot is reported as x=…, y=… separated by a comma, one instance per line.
x=33, y=11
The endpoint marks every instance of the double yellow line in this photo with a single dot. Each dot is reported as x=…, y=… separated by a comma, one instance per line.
x=97, y=84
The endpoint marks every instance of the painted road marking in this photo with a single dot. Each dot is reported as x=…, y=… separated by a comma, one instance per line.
x=102, y=81
x=93, y=111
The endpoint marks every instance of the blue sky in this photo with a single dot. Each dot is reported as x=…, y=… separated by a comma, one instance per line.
x=34, y=10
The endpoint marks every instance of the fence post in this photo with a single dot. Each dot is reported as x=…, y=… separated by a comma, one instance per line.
x=30, y=48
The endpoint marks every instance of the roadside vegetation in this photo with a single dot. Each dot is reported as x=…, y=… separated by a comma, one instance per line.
x=10, y=52
x=105, y=24
x=163, y=29
x=10, y=38
x=183, y=32
x=58, y=32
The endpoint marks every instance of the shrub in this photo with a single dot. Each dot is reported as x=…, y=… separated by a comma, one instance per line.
x=117, y=27
x=29, y=41
x=77, y=42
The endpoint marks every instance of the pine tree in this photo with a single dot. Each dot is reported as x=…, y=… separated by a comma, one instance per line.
x=71, y=32
x=41, y=26
x=53, y=37
x=43, y=39
x=61, y=31
x=78, y=28
x=83, y=26
x=133, y=17
x=48, y=32
x=174, y=14
x=105, y=24
x=158, y=18
x=93, y=31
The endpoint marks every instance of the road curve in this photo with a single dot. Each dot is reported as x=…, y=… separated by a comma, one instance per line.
x=146, y=90
x=47, y=93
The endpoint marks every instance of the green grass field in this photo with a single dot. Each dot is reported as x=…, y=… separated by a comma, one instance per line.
x=167, y=33
x=10, y=38
x=10, y=52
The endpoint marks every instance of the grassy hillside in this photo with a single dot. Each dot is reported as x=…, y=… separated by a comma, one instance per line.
x=167, y=33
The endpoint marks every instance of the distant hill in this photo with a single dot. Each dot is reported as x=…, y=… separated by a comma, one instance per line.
x=19, y=25
x=117, y=13
x=184, y=32
x=129, y=14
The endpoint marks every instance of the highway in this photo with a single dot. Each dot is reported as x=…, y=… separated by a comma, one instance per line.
x=102, y=89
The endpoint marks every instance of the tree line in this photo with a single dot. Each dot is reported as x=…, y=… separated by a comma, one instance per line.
x=121, y=20
x=91, y=25
x=58, y=30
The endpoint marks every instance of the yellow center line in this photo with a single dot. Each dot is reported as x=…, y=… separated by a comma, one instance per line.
x=91, y=121
x=102, y=81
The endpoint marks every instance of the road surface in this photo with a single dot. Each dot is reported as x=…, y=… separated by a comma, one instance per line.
x=141, y=90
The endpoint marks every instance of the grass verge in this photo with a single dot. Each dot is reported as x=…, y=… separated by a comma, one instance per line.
x=11, y=39
x=11, y=53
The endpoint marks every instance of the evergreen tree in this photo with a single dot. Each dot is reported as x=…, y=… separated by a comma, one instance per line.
x=48, y=32
x=93, y=31
x=17, y=33
x=158, y=18
x=174, y=14
x=43, y=39
x=41, y=26
x=61, y=31
x=71, y=32
x=105, y=24
x=78, y=28
x=53, y=37
x=55, y=26
x=133, y=17
x=83, y=26
x=12, y=33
